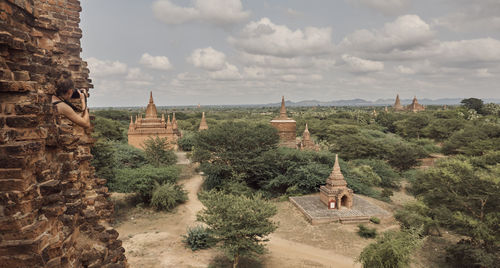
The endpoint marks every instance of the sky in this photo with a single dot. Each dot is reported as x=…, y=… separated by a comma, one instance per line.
x=213, y=52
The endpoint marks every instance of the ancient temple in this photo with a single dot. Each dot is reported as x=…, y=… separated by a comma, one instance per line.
x=175, y=127
x=203, y=123
x=286, y=127
x=415, y=106
x=151, y=126
x=307, y=143
x=335, y=194
x=397, y=105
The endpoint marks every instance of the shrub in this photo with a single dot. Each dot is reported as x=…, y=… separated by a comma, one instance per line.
x=392, y=250
x=156, y=152
x=198, y=237
x=375, y=220
x=187, y=141
x=366, y=232
x=128, y=157
x=167, y=196
x=142, y=180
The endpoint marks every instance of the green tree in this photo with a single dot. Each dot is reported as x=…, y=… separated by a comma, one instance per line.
x=474, y=140
x=128, y=156
x=239, y=223
x=156, y=152
x=465, y=198
x=105, y=128
x=392, y=250
x=473, y=103
x=403, y=157
x=103, y=159
x=412, y=127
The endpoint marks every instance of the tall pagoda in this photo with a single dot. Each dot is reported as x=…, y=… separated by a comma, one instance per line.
x=286, y=127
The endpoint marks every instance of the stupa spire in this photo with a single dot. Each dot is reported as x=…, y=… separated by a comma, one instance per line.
x=151, y=97
x=283, y=108
x=151, y=109
x=336, y=177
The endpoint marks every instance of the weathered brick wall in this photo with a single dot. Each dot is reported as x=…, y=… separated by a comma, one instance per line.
x=53, y=211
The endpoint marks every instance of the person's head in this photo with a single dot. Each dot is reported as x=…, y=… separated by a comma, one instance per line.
x=65, y=86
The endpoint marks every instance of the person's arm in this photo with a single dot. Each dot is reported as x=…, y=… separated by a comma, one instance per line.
x=83, y=120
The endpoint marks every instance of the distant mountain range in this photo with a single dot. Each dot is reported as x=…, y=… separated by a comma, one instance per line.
x=379, y=102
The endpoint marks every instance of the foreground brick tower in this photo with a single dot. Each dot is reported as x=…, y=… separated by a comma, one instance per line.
x=397, y=105
x=335, y=194
x=54, y=211
x=286, y=127
x=415, y=106
x=151, y=126
x=203, y=123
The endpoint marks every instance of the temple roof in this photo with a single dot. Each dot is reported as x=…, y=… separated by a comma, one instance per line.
x=151, y=109
x=336, y=178
x=283, y=117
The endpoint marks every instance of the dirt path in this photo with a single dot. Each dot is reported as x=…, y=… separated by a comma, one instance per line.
x=286, y=253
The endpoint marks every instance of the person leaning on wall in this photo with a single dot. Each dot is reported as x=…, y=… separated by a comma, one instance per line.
x=65, y=89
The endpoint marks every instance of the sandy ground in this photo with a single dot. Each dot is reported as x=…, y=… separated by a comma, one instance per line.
x=154, y=239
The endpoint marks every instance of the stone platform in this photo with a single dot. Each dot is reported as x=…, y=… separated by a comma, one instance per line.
x=317, y=213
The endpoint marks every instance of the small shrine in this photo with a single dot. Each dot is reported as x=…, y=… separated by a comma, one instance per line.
x=335, y=194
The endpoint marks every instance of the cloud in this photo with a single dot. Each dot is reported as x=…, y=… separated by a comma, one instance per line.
x=405, y=33
x=217, y=12
x=136, y=77
x=358, y=65
x=386, y=7
x=294, y=13
x=266, y=38
x=470, y=52
x=404, y=70
x=229, y=72
x=155, y=62
x=102, y=68
x=473, y=16
x=208, y=59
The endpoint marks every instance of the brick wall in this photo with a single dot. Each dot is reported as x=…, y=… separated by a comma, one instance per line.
x=53, y=211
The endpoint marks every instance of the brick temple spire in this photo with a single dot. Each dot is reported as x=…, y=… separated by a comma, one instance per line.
x=151, y=109
x=336, y=177
x=283, y=108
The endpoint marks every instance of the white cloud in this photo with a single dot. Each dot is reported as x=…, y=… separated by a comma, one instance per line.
x=229, y=72
x=473, y=16
x=266, y=38
x=359, y=65
x=218, y=12
x=102, y=68
x=405, y=33
x=155, y=62
x=483, y=73
x=404, y=70
x=293, y=12
x=254, y=72
x=136, y=77
x=387, y=7
x=208, y=59
x=289, y=78
x=472, y=51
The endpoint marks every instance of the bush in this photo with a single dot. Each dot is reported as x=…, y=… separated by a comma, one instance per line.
x=156, y=152
x=392, y=250
x=375, y=220
x=186, y=143
x=142, y=180
x=198, y=237
x=366, y=232
x=167, y=196
x=128, y=157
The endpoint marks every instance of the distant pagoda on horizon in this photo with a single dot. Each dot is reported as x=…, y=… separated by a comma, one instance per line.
x=151, y=126
x=413, y=107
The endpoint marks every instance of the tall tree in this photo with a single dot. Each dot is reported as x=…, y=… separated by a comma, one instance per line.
x=473, y=103
x=239, y=223
x=156, y=152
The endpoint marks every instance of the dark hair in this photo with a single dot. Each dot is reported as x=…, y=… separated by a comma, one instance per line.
x=64, y=84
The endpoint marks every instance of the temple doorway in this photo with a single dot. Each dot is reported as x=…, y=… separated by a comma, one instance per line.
x=343, y=201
